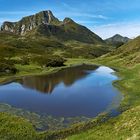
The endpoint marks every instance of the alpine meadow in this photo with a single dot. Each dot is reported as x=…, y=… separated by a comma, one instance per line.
x=69, y=70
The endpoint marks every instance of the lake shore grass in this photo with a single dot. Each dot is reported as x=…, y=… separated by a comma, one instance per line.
x=34, y=70
x=122, y=126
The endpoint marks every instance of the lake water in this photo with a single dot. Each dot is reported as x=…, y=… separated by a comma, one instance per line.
x=77, y=91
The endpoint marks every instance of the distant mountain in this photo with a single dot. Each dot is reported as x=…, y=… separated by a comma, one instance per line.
x=117, y=40
x=128, y=53
x=46, y=24
x=130, y=48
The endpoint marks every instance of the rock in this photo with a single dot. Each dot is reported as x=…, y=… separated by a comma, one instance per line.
x=29, y=23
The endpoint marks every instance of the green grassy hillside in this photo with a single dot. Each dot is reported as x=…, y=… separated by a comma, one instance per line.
x=41, y=45
x=20, y=54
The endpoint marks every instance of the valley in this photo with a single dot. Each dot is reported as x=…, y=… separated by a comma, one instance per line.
x=41, y=44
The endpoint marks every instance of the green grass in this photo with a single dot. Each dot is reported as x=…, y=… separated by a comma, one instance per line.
x=124, y=127
x=28, y=70
x=16, y=128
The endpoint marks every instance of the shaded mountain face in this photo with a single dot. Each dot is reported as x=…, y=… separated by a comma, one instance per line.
x=117, y=40
x=46, y=24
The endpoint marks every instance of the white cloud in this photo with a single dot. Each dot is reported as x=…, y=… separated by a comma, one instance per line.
x=14, y=12
x=13, y=15
x=79, y=15
x=86, y=22
x=74, y=12
x=8, y=19
x=91, y=15
x=130, y=30
x=69, y=7
x=5, y=19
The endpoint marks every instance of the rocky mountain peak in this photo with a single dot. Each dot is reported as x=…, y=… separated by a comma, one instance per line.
x=117, y=35
x=46, y=17
x=68, y=20
x=117, y=40
x=30, y=22
x=120, y=38
x=46, y=24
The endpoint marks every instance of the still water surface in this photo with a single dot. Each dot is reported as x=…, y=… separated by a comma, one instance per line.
x=77, y=91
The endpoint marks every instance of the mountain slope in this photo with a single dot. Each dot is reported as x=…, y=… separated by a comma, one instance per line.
x=69, y=30
x=117, y=40
x=46, y=24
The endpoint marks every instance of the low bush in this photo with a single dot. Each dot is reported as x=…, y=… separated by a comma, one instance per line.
x=7, y=66
x=49, y=61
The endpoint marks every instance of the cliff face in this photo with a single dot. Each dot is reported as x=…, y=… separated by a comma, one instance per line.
x=8, y=26
x=29, y=23
x=46, y=24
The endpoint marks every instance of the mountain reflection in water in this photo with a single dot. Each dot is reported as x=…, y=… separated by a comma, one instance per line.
x=47, y=83
x=84, y=90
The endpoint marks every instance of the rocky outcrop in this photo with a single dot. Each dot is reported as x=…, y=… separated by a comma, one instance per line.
x=29, y=23
x=8, y=26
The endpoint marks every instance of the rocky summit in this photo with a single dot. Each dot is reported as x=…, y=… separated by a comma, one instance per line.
x=29, y=23
x=46, y=24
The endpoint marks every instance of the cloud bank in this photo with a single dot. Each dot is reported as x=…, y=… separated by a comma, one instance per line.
x=130, y=30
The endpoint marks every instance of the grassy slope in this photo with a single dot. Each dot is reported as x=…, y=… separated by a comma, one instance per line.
x=16, y=128
x=127, y=125
x=14, y=45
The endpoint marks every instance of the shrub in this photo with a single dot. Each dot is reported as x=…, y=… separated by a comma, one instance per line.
x=25, y=60
x=55, y=61
x=7, y=66
x=49, y=61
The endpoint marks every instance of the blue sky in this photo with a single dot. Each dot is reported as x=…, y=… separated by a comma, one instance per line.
x=104, y=17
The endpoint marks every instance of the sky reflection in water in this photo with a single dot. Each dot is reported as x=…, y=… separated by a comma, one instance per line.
x=78, y=91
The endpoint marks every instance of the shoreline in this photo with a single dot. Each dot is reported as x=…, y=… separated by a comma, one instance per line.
x=10, y=78
x=84, y=124
x=122, y=72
